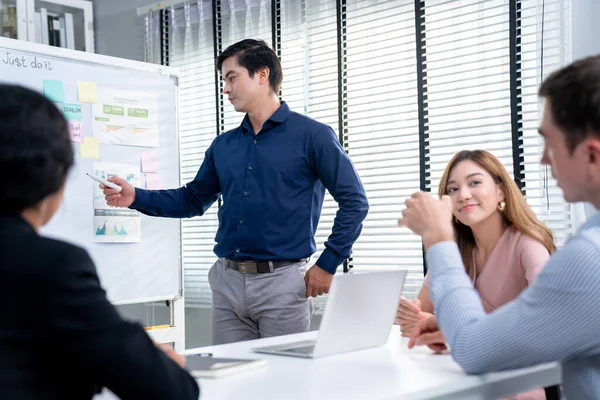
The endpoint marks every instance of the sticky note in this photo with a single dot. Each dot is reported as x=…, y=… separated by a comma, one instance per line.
x=154, y=181
x=88, y=92
x=76, y=131
x=150, y=162
x=72, y=112
x=151, y=328
x=54, y=90
x=89, y=148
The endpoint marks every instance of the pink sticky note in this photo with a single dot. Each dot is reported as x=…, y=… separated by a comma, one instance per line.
x=150, y=162
x=76, y=131
x=154, y=181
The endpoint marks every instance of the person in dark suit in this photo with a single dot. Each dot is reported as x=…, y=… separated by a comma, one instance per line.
x=60, y=338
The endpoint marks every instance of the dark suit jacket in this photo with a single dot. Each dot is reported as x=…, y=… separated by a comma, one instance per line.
x=60, y=338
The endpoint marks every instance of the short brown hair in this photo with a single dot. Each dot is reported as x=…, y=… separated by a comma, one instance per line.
x=574, y=95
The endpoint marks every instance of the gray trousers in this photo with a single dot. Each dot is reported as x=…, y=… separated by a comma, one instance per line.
x=253, y=306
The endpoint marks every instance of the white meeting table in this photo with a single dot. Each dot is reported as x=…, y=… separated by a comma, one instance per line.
x=388, y=372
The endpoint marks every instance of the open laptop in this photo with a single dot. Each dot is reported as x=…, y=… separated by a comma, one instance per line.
x=359, y=314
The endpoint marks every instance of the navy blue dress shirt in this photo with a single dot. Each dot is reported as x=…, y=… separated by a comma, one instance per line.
x=273, y=186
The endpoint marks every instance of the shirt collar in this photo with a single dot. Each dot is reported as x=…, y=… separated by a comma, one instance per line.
x=278, y=116
x=281, y=114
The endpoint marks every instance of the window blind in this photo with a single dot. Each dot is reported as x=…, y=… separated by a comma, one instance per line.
x=472, y=53
x=383, y=131
x=468, y=67
x=242, y=19
x=153, y=37
x=190, y=36
x=310, y=80
x=468, y=80
x=545, y=35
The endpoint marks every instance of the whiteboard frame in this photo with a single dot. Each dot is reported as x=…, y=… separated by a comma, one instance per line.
x=92, y=58
x=120, y=63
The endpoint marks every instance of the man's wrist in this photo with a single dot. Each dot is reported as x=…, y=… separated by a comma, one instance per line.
x=139, y=197
x=436, y=237
x=329, y=261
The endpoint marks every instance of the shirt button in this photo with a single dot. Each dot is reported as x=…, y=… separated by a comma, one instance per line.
x=241, y=221
x=250, y=168
x=255, y=141
x=237, y=250
x=245, y=193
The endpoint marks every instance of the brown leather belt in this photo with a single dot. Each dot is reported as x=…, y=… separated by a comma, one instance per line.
x=256, y=267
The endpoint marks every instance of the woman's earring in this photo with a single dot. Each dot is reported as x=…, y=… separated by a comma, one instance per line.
x=501, y=206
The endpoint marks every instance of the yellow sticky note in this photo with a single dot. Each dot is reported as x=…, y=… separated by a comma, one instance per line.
x=152, y=328
x=88, y=92
x=89, y=147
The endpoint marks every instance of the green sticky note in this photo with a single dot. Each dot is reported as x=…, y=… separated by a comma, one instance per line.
x=54, y=90
x=72, y=111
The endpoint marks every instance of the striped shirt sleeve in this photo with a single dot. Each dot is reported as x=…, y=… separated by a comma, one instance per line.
x=555, y=318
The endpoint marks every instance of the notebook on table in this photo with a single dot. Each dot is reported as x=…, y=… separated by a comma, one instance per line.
x=217, y=367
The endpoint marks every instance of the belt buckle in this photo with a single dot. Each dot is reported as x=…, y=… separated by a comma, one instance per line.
x=247, y=267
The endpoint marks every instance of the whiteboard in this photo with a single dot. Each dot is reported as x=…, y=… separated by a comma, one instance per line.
x=133, y=272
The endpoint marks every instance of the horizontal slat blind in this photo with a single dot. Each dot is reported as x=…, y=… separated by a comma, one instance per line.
x=383, y=131
x=466, y=86
x=310, y=80
x=542, y=192
x=468, y=80
x=190, y=35
x=153, y=37
x=241, y=20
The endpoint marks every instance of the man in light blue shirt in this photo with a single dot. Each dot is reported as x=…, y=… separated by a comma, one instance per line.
x=558, y=317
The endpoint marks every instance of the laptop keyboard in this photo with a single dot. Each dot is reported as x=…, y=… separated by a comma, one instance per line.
x=303, y=350
x=304, y=347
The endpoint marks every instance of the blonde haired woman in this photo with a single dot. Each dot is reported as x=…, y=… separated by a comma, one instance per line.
x=503, y=244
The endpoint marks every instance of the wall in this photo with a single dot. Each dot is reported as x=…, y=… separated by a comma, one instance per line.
x=118, y=30
x=585, y=14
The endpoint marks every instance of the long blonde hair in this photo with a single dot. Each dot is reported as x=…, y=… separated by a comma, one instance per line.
x=517, y=212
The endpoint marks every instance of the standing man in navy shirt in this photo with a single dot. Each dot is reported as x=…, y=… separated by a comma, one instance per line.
x=272, y=172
